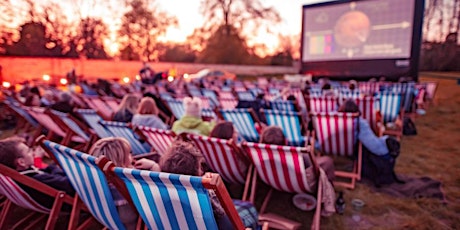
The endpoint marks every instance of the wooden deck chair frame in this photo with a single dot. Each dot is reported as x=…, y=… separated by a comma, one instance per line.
x=10, y=178
x=77, y=178
x=159, y=139
x=242, y=127
x=351, y=149
x=212, y=182
x=281, y=158
x=222, y=157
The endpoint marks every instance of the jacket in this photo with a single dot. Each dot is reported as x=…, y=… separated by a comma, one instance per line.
x=193, y=125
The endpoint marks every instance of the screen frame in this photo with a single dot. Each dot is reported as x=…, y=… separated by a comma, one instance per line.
x=363, y=69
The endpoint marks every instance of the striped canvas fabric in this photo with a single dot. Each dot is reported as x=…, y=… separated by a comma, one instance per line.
x=228, y=103
x=407, y=92
x=194, y=92
x=101, y=106
x=177, y=108
x=289, y=122
x=281, y=167
x=299, y=97
x=16, y=107
x=92, y=119
x=169, y=201
x=368, y=88
x=431, y=89
x=243, y=122
x=212, y=97
x=159, y=139
x=245, y=96
x=89, y=182
x=369, y=107
x=283, y=105
x=315, y=92
x=390, y=105
x=336, y=132
x=346, y=94
x=111, y=102
x=11, y=190
x=226, y=95
x=71, y=124
x=221, y=157
x=323, y=104
x=121, y=129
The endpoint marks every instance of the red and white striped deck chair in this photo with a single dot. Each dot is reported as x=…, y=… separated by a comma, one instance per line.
x=368, y=88
x=100, y=106
x=226, y=95
x=226, y=103
x=111, y=102
x=369, y=107
x=225, y=158
x=15, y=194
x=431, y=88
x=205, y=102
x=283, y=169
x=159, y=139
x=322, y=104
x=336, y=134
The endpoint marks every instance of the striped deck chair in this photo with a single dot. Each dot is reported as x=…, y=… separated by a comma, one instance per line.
x=226, y=103
x=100, y=106
x=390, y=108
x=369, y=107
x=111, y=102
x=298, y=94
x=244, y=121
x=89, y=182
x=54, y=126
x=9, y=187
x=322, y=104
x=206, y=102
x=226, y=95
x=194, y=92
x=407, y=91
x=211, y=95
x=75, y=126
x=121, y=129
x=315, y=92
x=431, y=88
x=92, y=119
x=29, y=121
x=176, y=107
x=283, y=105
x=283, y=169
x=245, y=96
x=335, y=133
x=159, y=139
x=345, y=94
x=225, y=158
x=176, y=201
x=369, y=88
x=290, y=122
x=78, y=101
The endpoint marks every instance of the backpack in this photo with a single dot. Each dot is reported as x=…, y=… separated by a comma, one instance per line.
x=409, y=127
x=380, y=169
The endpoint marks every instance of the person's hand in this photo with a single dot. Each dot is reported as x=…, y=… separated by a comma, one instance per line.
x=147, y=165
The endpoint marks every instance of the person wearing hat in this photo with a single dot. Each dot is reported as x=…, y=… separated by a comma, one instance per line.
x=192, y=122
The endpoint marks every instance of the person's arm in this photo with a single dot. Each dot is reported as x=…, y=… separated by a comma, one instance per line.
x=56, y=180
x=368, y=138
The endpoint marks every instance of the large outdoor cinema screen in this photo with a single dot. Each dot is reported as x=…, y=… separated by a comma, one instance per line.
x=365, y=30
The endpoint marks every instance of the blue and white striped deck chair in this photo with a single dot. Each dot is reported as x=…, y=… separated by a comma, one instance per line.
x=291, y=124
x=390, y=106
x=194, y=92
x=16, y=107
x=245, y=96
x=73, y=126
x=176, y=107
x=121, y=129
x=407, y=91
x=212, y=96
x=244, y=121
x=283, y=105
x=92, y=120
x=166, y=96
x=172, y=201
x=89, y=182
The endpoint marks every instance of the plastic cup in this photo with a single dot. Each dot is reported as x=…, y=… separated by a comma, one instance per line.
x=357, y=204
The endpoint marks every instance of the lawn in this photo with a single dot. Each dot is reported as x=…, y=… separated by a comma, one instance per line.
x=432, y=153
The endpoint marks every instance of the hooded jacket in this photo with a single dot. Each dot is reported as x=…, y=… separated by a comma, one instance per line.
x=191, y=124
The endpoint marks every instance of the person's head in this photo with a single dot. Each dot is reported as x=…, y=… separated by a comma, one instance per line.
x=48, y=95
x=15, y=154
x=192, y=106
x=182, y=158
x=224, y=130
x=291, y=98
x=65, y=97
x=326, y=86
x=349, y=106
x=273, y=135
x=352, y=84
x=147, y=106
x=129, y=102
x=116, y=149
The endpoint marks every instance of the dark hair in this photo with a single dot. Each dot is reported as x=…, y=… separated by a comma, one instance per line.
x=273, y=135
x=9, y=152
x=326, y=86
x=181, y=158
x=223, y=130
x=291, y=98
x=349, y=106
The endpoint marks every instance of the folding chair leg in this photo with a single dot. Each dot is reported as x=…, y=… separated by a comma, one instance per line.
x=75, y=214
x=265, y=203
x=247, y=183
x=6, y=210
x=317, y=217
x=35, y=221
x=54, y=214
x=253, y=187
x=31, y=219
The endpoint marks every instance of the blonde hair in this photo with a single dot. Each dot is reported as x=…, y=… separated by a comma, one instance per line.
x=129, y=102
x=116, y=149
x=147, y=106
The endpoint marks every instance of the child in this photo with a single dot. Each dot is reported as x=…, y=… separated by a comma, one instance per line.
x=118, y=151
x=192, y=121
x=17, y=155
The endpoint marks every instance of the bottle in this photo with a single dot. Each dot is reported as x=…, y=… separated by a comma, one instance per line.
x=340, y=204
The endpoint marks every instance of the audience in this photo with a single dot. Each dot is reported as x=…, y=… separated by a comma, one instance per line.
x=64, y=103
x=225, y=130
x=127, y=108
x=147, y=115
x=192, y=121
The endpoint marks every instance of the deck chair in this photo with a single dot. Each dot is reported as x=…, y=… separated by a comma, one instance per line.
x=283, y=169
x=225, y=158
x=226, y=103
x=226, y=95
x=212, y=96
x=159, y=139
x=345, y=94
x=390, y=108
x=76, y=127
x=244, y=121
x=111, y=102
x=100, y=106
x=176, y=107
x=369, y=107
x=29, y=121
x=171, y=201
x=290, y=122
x=92, y=119
x=369, y=88
x=336, y=135
x=54, y=126
x=245, y=96
x=89, y=182
x=283, y=105
x=321, y=104
x=9, y=187
x=121, y=129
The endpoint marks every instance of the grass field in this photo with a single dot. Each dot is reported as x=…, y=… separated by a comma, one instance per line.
x=433, y=153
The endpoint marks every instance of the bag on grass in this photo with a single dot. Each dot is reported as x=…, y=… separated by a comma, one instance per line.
x=409, y=127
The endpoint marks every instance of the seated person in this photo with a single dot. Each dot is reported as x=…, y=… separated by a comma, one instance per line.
x=17, y=155
x=225, y=130
x=192, y=122
x=64, y=104
x=118, y=150
x=147, y=115
x=184, y=158
x=127, y=109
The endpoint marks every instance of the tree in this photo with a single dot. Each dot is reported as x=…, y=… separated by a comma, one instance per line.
x=32, y=41
x=90, y=39
x=141, y=27
x=177, y=53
